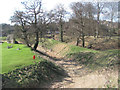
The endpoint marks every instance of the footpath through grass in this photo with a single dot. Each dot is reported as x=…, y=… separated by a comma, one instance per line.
x=51, y=44
x=13, y=58
x=92, y=59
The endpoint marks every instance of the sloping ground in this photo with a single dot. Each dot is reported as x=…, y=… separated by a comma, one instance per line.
x=81, y=77
x=104, y=79
x=86, y=68
x=60, y=50
x=97, y=60
x=20, y=70
x=32, y=76
x=57, y=51
x=53, y=48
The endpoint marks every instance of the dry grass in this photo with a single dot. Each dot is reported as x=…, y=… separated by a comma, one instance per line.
x=103, y=43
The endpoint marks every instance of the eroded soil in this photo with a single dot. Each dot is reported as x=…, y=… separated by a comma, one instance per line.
x=79, y=76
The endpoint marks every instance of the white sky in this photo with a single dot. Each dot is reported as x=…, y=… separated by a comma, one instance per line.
x=7, y=7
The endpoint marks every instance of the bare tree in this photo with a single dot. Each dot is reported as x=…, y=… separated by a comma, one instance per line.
x=111, y=13
x=100, y=8
x=59, y=14
x=89, y=12
x=78, y=11
x=83, y=20
x=19, y=18
x=34, y=17
x=34, y=11
x=44, y=22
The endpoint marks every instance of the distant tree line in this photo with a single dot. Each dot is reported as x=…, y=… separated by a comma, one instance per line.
x=86, y=20
x=34, y=22
x=7, y=29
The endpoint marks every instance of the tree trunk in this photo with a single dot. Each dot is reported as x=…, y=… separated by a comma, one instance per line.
x=36, y=41
x=61, y=32
x=41, y=34
x=25, y=35
x=36, y=32
x=77, y=43
x=98, y=20
x=26, y=40
x=109, y=34
x=83, y=40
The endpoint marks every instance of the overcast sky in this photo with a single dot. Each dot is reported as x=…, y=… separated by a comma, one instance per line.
x=7, y=7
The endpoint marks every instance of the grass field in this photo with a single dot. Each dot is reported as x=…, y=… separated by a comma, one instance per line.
x=19, y=69
x=13, y=58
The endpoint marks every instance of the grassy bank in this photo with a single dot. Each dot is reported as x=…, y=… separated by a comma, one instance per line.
x=20, y=70
x=32, y=76
x=97, y=60
x=48, y=43
x=92, y=59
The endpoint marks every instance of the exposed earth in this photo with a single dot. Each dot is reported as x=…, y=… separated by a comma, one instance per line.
x=78, y=76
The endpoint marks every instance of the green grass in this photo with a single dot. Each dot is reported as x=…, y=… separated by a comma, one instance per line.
x=97, y=60
x=76, y=49
x=13, y=59
x=92, y=59
x=32, y=76
x=20, y=70
x=3, y=38
x=49, y=43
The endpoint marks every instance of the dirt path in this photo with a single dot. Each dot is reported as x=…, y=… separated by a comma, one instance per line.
x=79, y=77
x=56, y=51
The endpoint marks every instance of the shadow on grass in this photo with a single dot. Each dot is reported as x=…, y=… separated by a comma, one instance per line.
x=95, y=60
x=91, y=61
x=38, y=75
x=53, y=58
